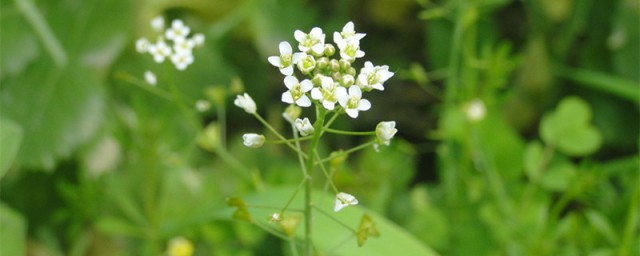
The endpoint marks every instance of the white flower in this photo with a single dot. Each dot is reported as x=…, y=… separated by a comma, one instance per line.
x=328, y=93
x=183, y=45
x=343, y=200
x=286, y=60
x=313, y=41
x=348, y=33
x=246, y=102
x=306, y=63
x=350, y=50
x=371, y=77
x=177, y=30
x=297, y=91
x=476, y=110
x=142, y=45
x=385, y=132
x=291, y=113
x=202, y=105
x=304, y=126
x=275, y=217
x=198, y=39
x=150, y=77
x=253, y=140
x=157, y=23
x=160, y=50
x=181, y=60
x=353, y=102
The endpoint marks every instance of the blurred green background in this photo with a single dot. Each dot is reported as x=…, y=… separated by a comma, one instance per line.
x=92, y=162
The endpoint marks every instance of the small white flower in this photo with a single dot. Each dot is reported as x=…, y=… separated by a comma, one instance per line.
x=328, y=93
x=181, y=60
x=348, y=33
x=183, y=45
x=275, y=217
x=297, y=91
x=476, y=110
x=253, y=140
x=286, y=60
x=353, y=102
x=312, y=42
x=306, y=63
x=157, y=23
x=142, y=45
x=177, y=30
x=304, y=126
x=371, y=77
x=343, y=200
x=202, y=105
x=291, y=113
x=198, y=39
x=350, y=50
x=160, y=50
x=245, y=102
x=385, y=132
x=150, y=78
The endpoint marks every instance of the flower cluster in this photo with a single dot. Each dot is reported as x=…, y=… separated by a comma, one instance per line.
x=173, y=43
x=331, y=81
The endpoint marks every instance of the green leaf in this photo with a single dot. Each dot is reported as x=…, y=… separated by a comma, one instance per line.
x=57, y=109
x=13, y=232
x=329, y=236
x=533, y=155
x=569, y=130
x=18, y=45
x=11, y=136
x=558, y=177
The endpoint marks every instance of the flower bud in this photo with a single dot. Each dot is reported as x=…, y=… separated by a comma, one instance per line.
x=329, y=50
x=307, y=63
x=209, y=138
x=347, y=80
x=334, y=65
x=344, y=65
x=253, y=140
x=322, y=63
x=246, y=102
x=385, y=132
x=351, y=71
x=291, y=113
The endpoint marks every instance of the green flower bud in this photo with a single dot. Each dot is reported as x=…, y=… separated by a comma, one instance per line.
x=344, y=65
x=334, y=65
x=322, y=63
x=329, y=50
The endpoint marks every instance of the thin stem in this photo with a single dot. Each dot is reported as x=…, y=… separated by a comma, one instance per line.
x=326, y=174
x=179, y=98
x=142, y=85
x=329, y=130
x=349, y=151
x=222, y=120
x=286, y=206
x=274, y=131
x=320, y=210
x=44, y=32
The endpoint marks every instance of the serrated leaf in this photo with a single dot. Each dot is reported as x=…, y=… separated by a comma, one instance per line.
x=568, y=128
x=11, y=137
x=58, y=110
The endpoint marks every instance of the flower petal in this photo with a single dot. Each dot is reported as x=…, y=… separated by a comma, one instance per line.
x=287, y=71
x=299, y=35
x=364, y=105
x=303, y=101
x=285, y=48
x=306, y=85
x=290, y=81
x=275, y=60
x=286, y=97
x=353, y=113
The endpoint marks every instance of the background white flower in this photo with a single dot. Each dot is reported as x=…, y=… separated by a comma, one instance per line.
x=142, y=45
x=177, y=30
x=385, y=132
x=150, y=77
x=297, y=91
x=475, y=110
x=160, y=50
x=304, y=126
x=246, y=102
x=157, y=23
x=181, y=60
x=286, y=60
x=353, y=102
x=343, y=200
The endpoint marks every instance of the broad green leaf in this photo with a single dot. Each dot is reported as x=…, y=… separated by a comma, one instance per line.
x=558, y=177
x=331, y=237
x=11, y=137
x=533, y=155
x=13, y=232
x=18, y=45
x=568, y=128
x=58, y=110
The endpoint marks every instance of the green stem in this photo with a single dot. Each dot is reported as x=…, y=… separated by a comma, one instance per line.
x=188, y=114
x=36, y=20
x=349, y=151
x=326, y=174
x=274, y=131
x=308, y=203
x=142, y=85
x=329, y=130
